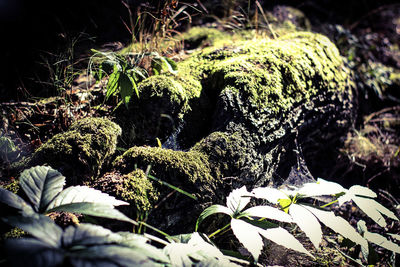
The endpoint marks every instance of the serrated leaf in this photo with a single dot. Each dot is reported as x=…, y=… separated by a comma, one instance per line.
x=41, y=184
x=80, y=194
x=249, y=236
x=139, y=243
x=88, y=234
x=378, y=239
x=23, y=252
x=272, y=195
x=212, y=210
x=339, y=225
x=269, y=213
x=321, y=188
x=362, y=191
x=238, y=199
x=14, y=201
x=282, y=237
x=307, y=223
x=126, y=88
x=39, y=226
x=94, y=209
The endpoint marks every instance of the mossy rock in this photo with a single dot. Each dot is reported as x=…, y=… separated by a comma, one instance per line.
x=179, y=168
x=188, y=171
x=134, y=188
x=158, y=111
x=82, y=150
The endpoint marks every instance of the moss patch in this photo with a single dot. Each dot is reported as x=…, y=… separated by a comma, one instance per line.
x=134, y=188
x=188, y=169
x=82, y=150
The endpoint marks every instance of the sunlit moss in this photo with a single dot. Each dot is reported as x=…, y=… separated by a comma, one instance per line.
x=83, y=149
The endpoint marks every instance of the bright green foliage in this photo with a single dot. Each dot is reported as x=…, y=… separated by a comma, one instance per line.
x=84, y=148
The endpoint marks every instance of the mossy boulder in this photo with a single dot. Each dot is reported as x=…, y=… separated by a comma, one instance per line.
x=82, y=150
x=134, y=188
x=189, y=171
x=159, y=110
x=261, y=94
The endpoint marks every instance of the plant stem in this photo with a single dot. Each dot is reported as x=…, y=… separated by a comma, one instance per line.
x=328, y=204
x=219, y=230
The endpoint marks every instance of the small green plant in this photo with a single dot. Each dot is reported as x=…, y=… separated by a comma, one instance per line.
x=44, y=188
x=124, y=72
x=248, y=225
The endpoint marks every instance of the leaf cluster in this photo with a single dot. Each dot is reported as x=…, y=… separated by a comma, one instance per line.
x=291, y=206
x=124, y=72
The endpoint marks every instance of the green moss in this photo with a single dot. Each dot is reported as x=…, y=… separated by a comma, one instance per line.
x=225, y=153
x=83, y=149
x=138, y=190
x=189, y=169
x=15, y=233
x=203, y=36
x=12, y=186
x=275, y=74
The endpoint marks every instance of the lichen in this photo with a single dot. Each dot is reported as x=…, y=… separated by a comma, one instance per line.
x=188, y=169
x=83, y=149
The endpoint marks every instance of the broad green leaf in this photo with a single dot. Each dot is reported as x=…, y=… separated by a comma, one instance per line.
x=14, y=201
x=94, y=209
x=272, y=195
x=41, y=184
x=362, y=191
x=321, y=188
x=88, y=234
x=39, y=226
x=339, y=225
x=378, y=239
x=210, y=211
x=139, y=243
x=112, y=83
x=269, y=213
x=79, y=194
x=282, y=237
x=238, y=199
x=172, y=64
x=249, y=236
x=169, y=64
x=178, y=254
x=23, y=252
x=307, y=223
x=109, y=255
x=126, y=88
